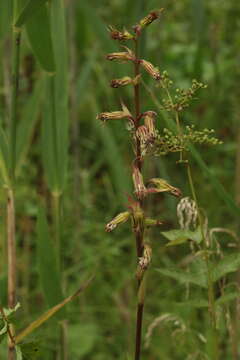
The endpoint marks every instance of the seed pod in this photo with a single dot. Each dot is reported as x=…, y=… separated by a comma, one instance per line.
x=153, y=15
x=115, y=83
x=115, y=115
x=120, y=35
x=137, y=215
x=119, y=219
x=144, y=261
x=153, y=71
x=121, y=56
x=140, y=189
x=152, y=222
x=162, y=185
x=149, y=121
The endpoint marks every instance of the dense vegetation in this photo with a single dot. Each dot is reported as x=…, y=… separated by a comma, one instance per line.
x=64, y=176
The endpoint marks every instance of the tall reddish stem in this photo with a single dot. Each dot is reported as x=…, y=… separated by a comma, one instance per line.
x=139, y=234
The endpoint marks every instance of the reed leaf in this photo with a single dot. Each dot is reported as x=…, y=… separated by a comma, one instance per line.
x=30, y=9
x=41, y=41
x=47, y=262
x=48, y=314
x=26, y=126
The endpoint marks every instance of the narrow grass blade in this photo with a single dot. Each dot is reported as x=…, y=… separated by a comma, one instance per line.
x=58, y=27
x=41, y=41
x=96, y=25
x=48, y=314
x=47, y=263
x=26, y=126
x=4, y=158
x=28, y=11
x=48, y=136
x=5, y=18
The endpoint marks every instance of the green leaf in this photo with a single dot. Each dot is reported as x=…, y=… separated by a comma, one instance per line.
x=41, y=41
x=197, y=274
x=229, y=264
x=48, y=314
x=47, y=263
x=82, y=338
x=30, y=350
x=4, y=157
x=28, y=11
x=26, y=125
x=5, y=18
x=8, y=311
x=199, y=303
x=60, y=92
x=227, y=297
x=180, y=236
x=3, y=327
x=18, y=353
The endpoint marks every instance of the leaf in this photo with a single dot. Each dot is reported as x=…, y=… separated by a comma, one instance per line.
x=48, y=314
x=5, y=18
x=28, y=11
x=26, y=125
x=18, y=353
x=30, y=350
x=180, y=236
x=4, y=328
x=230, y=263
x=82, y=338
x=197, y=276
x=227, y=297
x=47, y=263
x=41, y=41
x=4, y=157
x=60, y=91
x=198, y=303
x=8, y=311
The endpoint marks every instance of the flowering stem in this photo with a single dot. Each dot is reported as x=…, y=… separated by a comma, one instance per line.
x=139, y=233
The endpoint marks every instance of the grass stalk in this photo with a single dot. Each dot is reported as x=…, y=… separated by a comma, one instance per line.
x=11, y=215
x=11, y=244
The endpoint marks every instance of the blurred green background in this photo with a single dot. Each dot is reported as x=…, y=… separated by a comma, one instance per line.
x=194, y=39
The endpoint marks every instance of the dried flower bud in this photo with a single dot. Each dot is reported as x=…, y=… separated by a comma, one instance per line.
x=147, y=20
x=161, y=185
x=120, y=35
x=142, y=134
x=152, y=222
x=119, y=219
x=144, y=137
x=149, y=121
x=144, y=261
x=153, y=71
x=122, y=56
x=137, y=215
x=115, y=115
x=140, y=189
x=115, y=83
